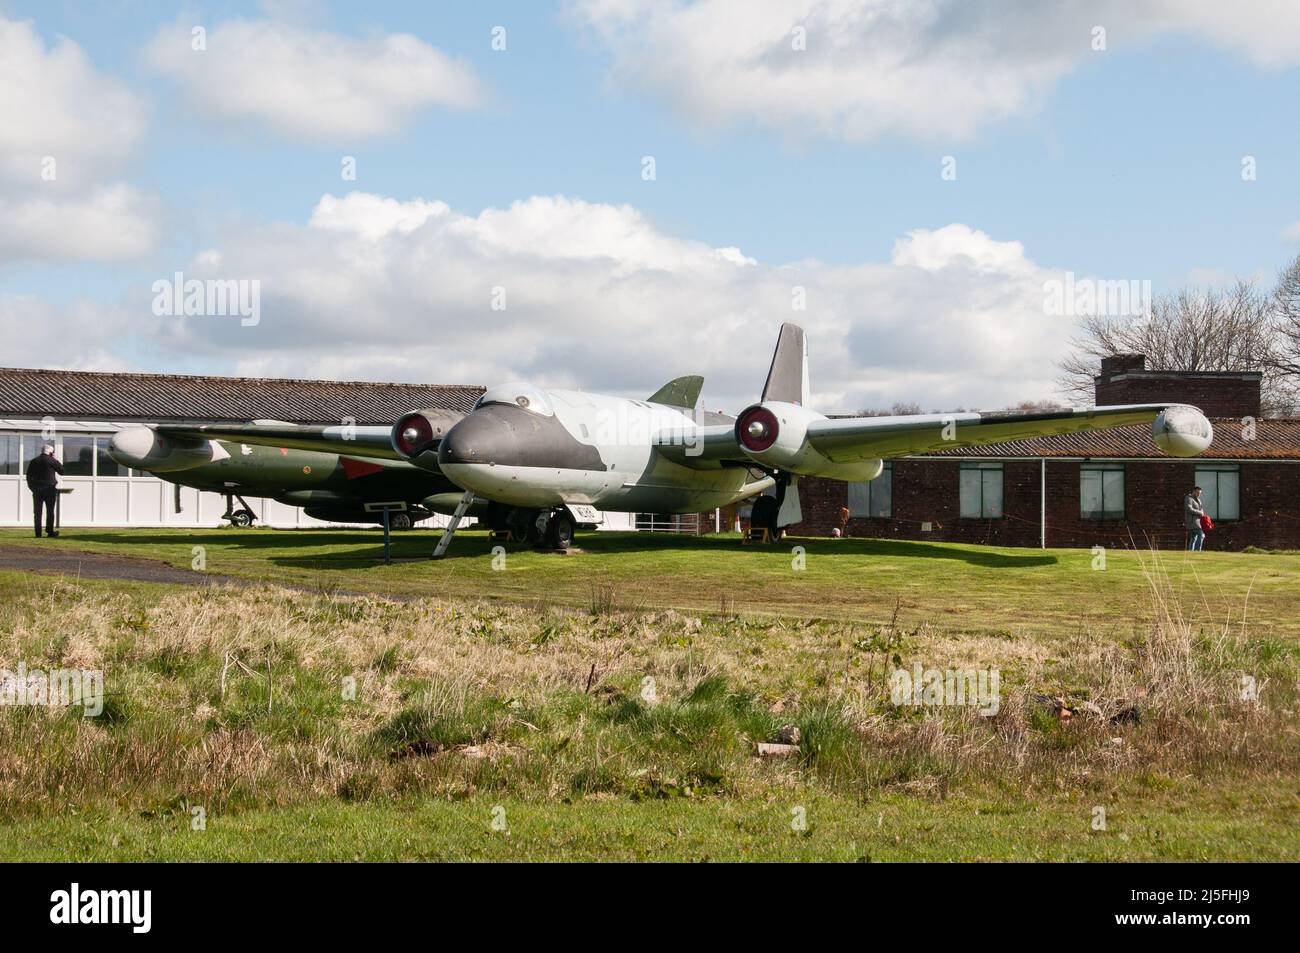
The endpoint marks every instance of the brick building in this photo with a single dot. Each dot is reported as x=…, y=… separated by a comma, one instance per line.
x=1112, y=488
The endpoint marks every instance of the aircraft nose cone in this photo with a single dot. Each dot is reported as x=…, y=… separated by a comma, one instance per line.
x=133, y=447
x=475, y=440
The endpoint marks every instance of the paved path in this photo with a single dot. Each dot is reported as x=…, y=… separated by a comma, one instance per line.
x=52, y=560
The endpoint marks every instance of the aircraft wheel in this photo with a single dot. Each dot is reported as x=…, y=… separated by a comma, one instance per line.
x=399, y=521
x=533, y=533
x=559, y=531
x=242, y=518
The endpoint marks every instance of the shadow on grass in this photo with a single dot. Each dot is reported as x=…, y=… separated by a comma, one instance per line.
x=360, y=548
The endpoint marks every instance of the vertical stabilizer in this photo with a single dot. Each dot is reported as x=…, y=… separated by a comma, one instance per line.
x=787, y=378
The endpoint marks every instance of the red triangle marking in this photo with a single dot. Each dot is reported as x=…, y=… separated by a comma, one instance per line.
x=358, y=468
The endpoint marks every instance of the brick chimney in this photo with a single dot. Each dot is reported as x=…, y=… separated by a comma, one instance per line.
x=1124, y=379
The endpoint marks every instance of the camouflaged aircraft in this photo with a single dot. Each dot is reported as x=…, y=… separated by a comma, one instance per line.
x=536, y=463
x=337, y=488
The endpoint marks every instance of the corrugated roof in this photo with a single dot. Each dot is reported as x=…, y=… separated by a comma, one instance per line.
x=164, y=397
x=1275, y=439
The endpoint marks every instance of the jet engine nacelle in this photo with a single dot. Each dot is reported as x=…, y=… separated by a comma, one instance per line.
x=143, y=448
x=416, y=435
x=1182, y=431
x=775, y=434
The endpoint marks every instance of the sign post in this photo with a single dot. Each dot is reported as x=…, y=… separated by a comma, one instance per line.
x=386, y=509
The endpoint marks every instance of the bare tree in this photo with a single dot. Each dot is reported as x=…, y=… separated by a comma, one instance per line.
x=899, y=409
x=1034, y=406
x=1227, y=329
x=1286, y=310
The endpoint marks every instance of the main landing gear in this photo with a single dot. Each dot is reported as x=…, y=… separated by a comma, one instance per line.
x=240, y=518
x=766, y=513
x=544, y=529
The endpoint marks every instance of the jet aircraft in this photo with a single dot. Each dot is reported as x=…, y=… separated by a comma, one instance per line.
x=329, y=486
x=537, y=462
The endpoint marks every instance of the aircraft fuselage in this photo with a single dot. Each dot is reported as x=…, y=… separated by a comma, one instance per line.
x=546, y=448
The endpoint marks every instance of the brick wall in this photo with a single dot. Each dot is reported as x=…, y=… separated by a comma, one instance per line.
x=927, y=490
x=1125, y=380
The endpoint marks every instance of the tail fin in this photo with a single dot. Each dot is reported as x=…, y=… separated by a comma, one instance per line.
x=787, y=378
x=679, y=392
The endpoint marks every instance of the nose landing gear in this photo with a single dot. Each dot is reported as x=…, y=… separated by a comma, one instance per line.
x=559, y=529
x=544, y=529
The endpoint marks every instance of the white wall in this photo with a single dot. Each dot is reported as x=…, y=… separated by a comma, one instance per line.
x=135, y=500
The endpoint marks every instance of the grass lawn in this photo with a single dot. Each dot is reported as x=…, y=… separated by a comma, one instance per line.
x=1254, y=825
x=607, y=704
x=960, y=587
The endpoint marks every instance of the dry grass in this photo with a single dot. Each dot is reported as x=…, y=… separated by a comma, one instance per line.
x=452, y=698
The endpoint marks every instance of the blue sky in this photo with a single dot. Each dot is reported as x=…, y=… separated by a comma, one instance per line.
x=1125, y=164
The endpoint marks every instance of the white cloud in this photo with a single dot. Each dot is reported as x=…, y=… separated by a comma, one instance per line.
x=310, y=84
x=105, y=223
x=54, y=103
x=81, y=336
x=64, y=128
x=373, y=216
x=1292, y=232
x=598, y=297
x=928, y=69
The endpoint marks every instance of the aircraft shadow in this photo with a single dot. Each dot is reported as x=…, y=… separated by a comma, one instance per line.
x=815, y=545
x=359, y=548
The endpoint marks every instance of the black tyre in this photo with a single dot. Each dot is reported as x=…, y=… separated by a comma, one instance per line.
x=498, y=517
x=398, y=521
x=764, y=516
x=242, y=518
x=559, y=531
x=532, y=533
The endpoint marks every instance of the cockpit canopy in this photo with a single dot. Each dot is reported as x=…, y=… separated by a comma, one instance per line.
x=518, y=394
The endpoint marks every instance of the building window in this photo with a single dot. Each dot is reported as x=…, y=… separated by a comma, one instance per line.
x=10, y=455
x=873, y=498
x=1220, y=491
x=105, y=465
x=79, y=456
x=32, y=443
x=1101, y=491
x=981, y=491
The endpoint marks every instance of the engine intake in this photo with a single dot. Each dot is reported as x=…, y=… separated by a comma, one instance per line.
x=775, y=434
x=757, y=429
x=420, y=431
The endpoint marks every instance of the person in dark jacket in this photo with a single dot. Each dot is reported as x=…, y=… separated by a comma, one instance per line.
x=43, y=480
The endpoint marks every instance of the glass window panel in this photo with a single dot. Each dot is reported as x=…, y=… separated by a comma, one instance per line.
x=106, y=465
x=1208, y=481
x=992, y=503
x=10, y=460
x=1112, y=482
x=970, y=494
x=1091, y=503
x=882, y=493
x=860, y=499
x=79, y=456
x=1229, y=507
x=31, y=448
x=872, y=497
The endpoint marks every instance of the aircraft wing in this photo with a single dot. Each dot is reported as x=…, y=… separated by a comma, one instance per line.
x=1182, y=432
x=369, y=441
x=858, y=438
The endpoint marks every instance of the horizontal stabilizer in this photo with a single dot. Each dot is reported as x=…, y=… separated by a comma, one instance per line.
x=681, y=392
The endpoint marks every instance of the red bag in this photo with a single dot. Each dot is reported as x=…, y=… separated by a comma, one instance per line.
x=1207, y=524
